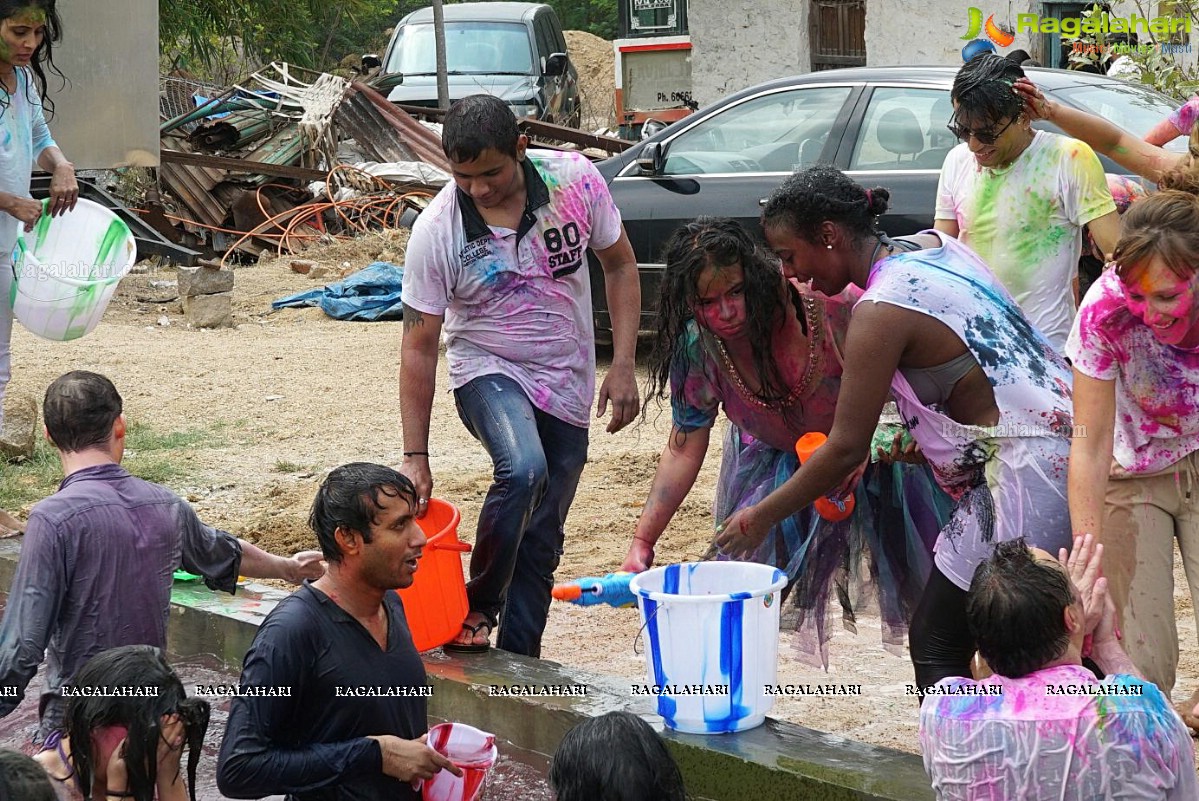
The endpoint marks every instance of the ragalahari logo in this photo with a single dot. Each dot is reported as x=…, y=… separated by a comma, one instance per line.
x=1001, y=35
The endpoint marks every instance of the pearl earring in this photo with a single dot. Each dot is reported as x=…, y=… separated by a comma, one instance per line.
x=830, y=247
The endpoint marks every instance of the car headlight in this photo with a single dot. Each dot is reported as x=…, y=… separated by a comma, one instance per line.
x=525, y=110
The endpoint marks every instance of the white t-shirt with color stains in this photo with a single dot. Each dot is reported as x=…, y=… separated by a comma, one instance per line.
x=1026, y=221
x=518, y=303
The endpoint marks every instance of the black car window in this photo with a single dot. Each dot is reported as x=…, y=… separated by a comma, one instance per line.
x=904, y=129
x=777, y=132
x=545, y=39
x=1134, y=108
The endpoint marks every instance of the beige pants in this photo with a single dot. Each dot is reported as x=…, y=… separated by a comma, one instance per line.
x=1144, y=515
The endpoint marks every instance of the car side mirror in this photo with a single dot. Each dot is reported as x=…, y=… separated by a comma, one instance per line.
x=652, y=158
x=651, y=127
x=555, y=65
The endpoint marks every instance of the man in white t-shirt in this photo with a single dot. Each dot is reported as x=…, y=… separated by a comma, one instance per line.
x=1020, y=198
x=500, y=256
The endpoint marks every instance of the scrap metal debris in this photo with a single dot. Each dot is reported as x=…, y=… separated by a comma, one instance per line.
x=255, y=167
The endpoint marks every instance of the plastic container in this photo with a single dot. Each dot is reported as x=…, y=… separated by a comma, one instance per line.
x=436, y=604
x=830, y=509
x=713, y=634
x=471, y=750
x=66, y=270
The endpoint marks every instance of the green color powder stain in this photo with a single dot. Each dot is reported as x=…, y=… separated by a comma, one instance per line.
x=30, y=15
x=114, y=237
x=42, y=229
x=1022, y=230
x=88, y=297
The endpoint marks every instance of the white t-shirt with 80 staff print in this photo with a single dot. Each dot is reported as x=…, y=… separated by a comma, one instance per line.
x=518, y=303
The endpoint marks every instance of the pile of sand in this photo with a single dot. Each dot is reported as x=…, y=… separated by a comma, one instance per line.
x=595, y=60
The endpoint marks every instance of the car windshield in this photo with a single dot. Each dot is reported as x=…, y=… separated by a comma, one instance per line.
x=478, y=48
x=1134, y=108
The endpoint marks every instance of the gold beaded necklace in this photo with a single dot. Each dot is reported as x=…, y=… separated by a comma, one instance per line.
x=811, y=370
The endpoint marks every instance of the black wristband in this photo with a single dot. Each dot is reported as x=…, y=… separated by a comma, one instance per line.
x=417, y=453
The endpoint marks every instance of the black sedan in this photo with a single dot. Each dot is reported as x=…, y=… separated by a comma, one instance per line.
x=884, y=126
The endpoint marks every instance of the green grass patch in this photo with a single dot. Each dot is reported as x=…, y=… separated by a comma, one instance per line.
x=153, y=455
x=284, y=466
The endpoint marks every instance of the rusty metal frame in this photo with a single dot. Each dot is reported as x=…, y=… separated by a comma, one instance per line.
x=242, y=165
x=539, y=131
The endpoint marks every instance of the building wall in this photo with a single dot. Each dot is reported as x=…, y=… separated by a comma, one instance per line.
x=900, y=32
x=737, y=43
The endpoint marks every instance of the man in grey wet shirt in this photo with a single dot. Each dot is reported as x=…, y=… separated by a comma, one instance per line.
x=98, y=556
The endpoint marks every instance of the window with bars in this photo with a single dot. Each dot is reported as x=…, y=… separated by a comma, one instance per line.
x=837, y=34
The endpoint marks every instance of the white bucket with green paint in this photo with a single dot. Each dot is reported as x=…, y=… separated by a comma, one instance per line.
x=67, y=268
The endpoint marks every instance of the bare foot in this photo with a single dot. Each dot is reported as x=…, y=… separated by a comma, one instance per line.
x=1189, y=712
x=9, y=525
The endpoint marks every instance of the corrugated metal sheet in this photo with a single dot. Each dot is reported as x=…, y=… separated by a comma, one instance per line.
x=193, y=186
x=238, y=129
x=386, y=132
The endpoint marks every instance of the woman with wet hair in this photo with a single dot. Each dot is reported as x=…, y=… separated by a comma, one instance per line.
x=733, y=334
x=615, y=757
x=129, y=705
x=983, y=393
x=1135, y=352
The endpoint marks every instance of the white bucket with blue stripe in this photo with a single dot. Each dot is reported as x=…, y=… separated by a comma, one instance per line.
x=713, y=634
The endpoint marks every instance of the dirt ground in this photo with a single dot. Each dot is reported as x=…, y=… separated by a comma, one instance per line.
x=287, y=395
x=595, y=60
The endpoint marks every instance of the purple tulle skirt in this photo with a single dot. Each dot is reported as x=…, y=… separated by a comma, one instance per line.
x=881, y=555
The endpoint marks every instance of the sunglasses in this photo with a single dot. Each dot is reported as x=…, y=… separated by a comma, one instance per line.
x=984, y=137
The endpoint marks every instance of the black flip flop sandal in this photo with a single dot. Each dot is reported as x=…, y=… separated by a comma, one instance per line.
x=471, y=647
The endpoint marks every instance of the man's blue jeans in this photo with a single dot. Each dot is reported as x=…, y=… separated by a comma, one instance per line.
x=537, y=461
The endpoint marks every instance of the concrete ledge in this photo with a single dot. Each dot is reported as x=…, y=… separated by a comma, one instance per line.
x=775, y=762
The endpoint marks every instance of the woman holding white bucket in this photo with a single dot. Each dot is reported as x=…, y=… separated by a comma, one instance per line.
x=733, y=334
x=28, y=31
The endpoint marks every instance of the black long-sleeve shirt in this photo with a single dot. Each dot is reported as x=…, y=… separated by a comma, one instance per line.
x=312, y=744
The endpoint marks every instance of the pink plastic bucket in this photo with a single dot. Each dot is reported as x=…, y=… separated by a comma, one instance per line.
x=471, y=750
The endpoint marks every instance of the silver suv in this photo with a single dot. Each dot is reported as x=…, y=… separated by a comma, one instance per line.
x=515, y=51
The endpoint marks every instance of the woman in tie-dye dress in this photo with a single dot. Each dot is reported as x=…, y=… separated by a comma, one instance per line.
x=983, y=393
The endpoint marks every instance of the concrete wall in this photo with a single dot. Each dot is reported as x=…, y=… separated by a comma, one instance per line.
x=902, y=32
x=749, y=41
x=737, y=44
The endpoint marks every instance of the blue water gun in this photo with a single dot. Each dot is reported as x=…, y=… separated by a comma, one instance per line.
x=612, y=589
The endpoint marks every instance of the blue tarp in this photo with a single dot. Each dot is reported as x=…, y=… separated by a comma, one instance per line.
x=372, y=293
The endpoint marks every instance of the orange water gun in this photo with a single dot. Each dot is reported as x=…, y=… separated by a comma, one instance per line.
x=832, y=509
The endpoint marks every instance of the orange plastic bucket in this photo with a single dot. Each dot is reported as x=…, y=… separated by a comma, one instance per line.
x=435, y=604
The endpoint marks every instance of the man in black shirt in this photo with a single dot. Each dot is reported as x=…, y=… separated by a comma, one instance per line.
x=332, y=700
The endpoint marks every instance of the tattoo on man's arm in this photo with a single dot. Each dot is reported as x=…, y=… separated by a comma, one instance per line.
x=412, y=318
